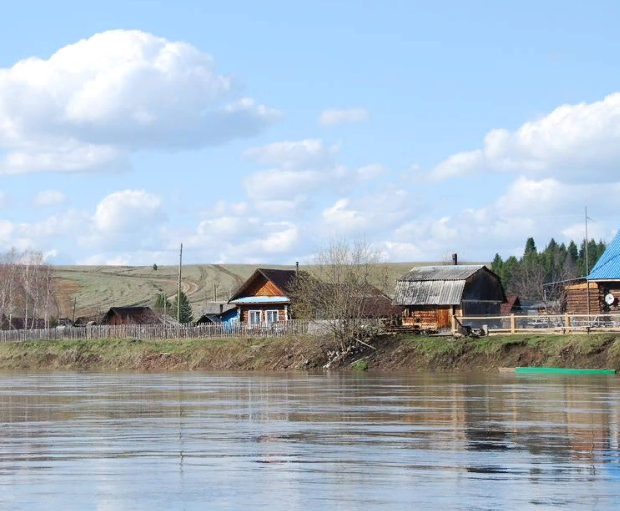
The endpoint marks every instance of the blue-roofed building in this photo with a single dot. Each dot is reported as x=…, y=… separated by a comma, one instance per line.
x=601, y=286
x=262, y=299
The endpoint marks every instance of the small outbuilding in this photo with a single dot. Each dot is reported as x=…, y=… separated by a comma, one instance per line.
x=218, y=313
x=130, y=316
x=431, y=295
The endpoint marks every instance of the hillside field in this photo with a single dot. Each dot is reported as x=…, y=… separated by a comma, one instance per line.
x=97, y=288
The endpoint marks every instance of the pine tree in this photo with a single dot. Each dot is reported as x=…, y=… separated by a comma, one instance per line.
x=530, y=247
x=161, y=304
x=186, y=308
x=573, y=252
x=497, y=266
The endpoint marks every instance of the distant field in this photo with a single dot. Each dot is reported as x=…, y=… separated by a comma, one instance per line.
x=97, y=288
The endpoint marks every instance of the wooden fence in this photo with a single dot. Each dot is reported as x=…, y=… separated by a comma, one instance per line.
x=157, y=331
x=280, y=329
x=552, y=323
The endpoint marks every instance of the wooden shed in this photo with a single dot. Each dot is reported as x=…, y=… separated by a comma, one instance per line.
x=430, y=295
x=262, y=299
x=130, y=316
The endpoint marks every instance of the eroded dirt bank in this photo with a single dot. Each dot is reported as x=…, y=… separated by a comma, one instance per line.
x=305, y=353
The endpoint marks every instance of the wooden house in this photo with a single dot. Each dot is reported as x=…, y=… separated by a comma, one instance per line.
x=431, y=295
x=218, y=313
x=602, y=285
x=262, y=299
x=130, y=316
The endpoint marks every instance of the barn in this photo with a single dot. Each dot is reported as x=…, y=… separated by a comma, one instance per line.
x=262, y=299
x=431, y=295
x=130, y=316
x=602, y=285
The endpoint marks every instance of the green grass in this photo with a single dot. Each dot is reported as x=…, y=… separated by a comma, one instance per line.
x=360, y=365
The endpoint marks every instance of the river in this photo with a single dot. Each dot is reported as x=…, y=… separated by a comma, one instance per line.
x=192, y=441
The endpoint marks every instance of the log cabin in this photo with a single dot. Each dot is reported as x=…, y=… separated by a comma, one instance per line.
x=431, y=295
x=262, y=299
x=602, y=285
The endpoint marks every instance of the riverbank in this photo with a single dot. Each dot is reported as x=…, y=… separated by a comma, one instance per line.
x=404, y=352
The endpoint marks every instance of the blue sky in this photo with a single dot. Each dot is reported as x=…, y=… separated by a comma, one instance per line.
x=251, y=131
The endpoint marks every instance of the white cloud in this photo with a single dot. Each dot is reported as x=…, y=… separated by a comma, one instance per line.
x=50, y=198
x=573, y=143
x=103, y=260
x=92, y=103
x=276, y=184
x=332, y=117
x=370, y=172
x=128, y=211
x=369, y=213
x=293, y=154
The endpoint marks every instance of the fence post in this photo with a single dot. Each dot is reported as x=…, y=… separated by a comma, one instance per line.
x=512, y=324
x=567, y=322
x=453, y=324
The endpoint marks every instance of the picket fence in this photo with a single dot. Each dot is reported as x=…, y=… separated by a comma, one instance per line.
x=157, y=331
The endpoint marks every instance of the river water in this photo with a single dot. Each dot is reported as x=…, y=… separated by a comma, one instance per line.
x=286, y=442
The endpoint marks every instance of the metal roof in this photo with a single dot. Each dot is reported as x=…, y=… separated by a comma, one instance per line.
x=445, y=272
x=429, y=292
x=261, y=299
x=608, y=266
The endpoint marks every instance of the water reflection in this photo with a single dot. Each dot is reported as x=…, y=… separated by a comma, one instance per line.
x=196, y=441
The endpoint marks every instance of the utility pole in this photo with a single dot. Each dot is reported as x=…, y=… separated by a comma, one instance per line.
x=74, y=304
x=179, y=287
x=587, y=264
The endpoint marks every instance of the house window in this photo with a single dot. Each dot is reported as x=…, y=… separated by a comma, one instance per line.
x=272, y=316
x=254, y=317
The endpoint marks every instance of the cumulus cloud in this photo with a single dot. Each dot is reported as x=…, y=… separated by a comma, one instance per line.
x=128, y=211
x=369, y=213
x=92, y=103
x=573, y=143
x=331, y=117
x=50, y=198
x=276, y=184
x=293, y=154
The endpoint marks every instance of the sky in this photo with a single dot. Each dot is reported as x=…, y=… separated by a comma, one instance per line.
x=252, y=132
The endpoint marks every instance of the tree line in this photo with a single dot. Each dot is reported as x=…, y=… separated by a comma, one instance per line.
x=532, y=276
x=27, y=297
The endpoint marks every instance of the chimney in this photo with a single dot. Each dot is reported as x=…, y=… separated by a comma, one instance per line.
x=455, y=259
x=296, y=267
x=221, y=308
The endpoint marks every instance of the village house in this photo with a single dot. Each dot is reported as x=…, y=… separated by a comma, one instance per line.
x=131, y=316
x=431, y=295
x=602, y=285
x=263, y=298
x=218, y=313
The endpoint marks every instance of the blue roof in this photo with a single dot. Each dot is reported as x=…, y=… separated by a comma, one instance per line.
x=261, y=299
x=608, y=266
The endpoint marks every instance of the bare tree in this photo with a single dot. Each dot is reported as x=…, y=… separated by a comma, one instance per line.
x=342, y=287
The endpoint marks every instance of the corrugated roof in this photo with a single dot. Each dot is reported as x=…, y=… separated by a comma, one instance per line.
x=429, y=292
x=608, y=266
x=445, y=272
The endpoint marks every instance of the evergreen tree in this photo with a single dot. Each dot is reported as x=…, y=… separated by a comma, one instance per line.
x=530, y=247
x=186, y=308
x=573, y=252
x=497, y=266
x=161, y=304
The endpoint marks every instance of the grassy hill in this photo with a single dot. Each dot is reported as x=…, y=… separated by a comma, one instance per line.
x=97, y=288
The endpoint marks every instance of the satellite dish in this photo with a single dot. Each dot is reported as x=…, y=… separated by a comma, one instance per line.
x=610, y=299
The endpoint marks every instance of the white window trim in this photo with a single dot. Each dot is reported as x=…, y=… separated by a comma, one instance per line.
x=260, y=316
x=277, y=316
